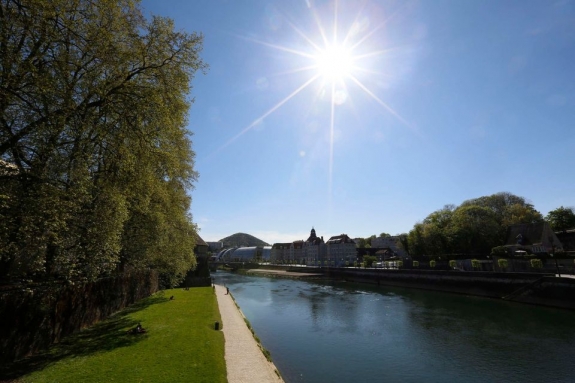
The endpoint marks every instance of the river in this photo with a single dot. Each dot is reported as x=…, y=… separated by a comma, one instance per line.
x=341, y=332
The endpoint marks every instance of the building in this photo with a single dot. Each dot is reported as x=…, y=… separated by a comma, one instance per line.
x=314, y=249
x=280, y=252
x=266, y=253
x=567, y=239
x=341, y=251
x=215, y=246
x=296, y=252
x=532, y=238
x=225, y=255
x=246, y=254
x=243, y=254
x=391, y=243
x=201, y=249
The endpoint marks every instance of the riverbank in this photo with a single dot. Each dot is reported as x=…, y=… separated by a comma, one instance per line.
x=349, y=332
x=530, y=288
x=284, y=274
x=245, y=361
x=179, y=345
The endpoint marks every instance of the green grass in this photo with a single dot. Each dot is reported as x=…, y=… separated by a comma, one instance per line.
x=180, y=345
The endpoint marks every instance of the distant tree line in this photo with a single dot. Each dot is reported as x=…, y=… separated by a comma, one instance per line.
x=366, y=242
x=478, y=225
x=475, y=227
x=95, y=159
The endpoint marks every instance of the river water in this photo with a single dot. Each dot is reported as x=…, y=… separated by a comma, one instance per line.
x=338, y=332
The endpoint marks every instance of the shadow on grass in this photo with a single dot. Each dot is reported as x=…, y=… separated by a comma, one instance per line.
x=104, y=336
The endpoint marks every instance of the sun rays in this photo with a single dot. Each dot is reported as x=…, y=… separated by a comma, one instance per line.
x=337, y=57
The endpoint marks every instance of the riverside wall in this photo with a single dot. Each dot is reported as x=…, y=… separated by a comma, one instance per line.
x=544, y=289
x=532, y=288
x=33, y=318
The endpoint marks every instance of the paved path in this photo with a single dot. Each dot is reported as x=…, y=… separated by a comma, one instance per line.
x=245, y=361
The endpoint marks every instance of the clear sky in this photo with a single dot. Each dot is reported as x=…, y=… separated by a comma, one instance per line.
x=362, y=117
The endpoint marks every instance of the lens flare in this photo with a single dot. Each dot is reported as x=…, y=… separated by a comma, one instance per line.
x=335, y=61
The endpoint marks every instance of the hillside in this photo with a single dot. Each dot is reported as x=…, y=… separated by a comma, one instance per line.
x=242, y=239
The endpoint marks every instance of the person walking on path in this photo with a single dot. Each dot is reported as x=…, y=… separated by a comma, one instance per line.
x=245, y=361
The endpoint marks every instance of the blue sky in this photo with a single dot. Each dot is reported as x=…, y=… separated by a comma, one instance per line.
x=443, y=101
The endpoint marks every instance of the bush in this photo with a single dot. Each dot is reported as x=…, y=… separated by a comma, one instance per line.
x=432, y=264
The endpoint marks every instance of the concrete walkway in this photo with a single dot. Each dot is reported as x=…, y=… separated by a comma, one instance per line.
x=245, y=361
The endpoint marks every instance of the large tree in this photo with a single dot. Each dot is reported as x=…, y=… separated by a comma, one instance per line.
x=93, y=106
x=562, y=218
x=474, y=227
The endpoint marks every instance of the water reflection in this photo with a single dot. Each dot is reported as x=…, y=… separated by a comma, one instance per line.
x=357, y=333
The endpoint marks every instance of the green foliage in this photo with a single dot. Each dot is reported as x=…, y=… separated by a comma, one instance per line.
x=369, y=239
x=399, y=264
x=177, y=328
x=432, y=264
x=499, y=250
x=93, y=114
x=368, y=260
x=475, y=263
x=474, y=227
x=267, y=354
x=415, y=263
x=453, y=264
x=404, y=242
x=536, y=263
x=360, y=243
x=562, y=218
x=502, y=263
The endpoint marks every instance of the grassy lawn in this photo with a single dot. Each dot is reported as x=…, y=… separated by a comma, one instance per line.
x=180, y=345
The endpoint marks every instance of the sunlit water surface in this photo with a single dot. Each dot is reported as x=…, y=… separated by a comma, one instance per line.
x=341, y=332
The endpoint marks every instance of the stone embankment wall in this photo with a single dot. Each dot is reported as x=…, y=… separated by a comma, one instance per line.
x=549, y=291
x=535, y=288
x=33, y=319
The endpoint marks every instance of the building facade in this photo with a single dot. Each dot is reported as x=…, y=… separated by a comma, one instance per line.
x=280, y=252
x=389, y=243
x=341, y=251
x=314, y=250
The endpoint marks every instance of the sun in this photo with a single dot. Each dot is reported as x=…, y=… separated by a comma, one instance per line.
x=334, y=62
x=337, y=58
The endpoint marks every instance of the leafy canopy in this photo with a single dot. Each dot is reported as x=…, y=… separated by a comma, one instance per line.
x=562, y=218
x=93, y=105
x=474, y=227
